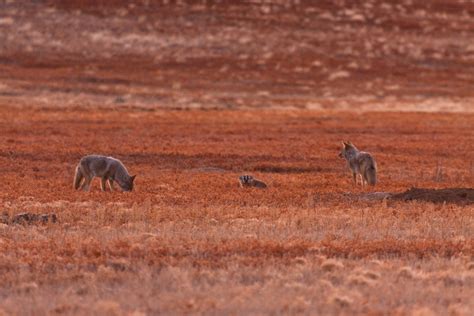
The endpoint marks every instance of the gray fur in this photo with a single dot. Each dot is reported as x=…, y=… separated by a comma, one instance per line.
x=106, y=168
x=360, y=162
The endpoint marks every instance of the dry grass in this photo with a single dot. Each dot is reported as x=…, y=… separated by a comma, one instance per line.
x=188, y=240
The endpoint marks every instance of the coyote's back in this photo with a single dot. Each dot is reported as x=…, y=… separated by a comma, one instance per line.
x=368, y=168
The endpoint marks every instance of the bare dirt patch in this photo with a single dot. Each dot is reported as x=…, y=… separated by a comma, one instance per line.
x=449, y=195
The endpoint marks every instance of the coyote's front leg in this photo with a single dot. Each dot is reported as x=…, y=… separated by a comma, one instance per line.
x=87, y=183
x=102, y=183
x=111, y=185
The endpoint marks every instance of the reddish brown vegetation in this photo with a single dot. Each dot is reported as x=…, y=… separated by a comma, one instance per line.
x=80, y=77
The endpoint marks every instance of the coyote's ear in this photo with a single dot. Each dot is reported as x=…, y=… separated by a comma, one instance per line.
x=346, y=144
x=133, y=177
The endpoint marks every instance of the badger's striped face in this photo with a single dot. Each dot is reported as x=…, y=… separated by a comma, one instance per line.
x=246, y=179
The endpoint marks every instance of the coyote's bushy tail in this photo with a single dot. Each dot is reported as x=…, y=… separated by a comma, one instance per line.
x=371, y=174
x=78, y=176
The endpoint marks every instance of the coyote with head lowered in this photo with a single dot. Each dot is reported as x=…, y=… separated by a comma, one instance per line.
x=108, y=169
x=360, y=163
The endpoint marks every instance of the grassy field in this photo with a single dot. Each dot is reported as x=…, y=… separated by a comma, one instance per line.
x=192, y=94
x=189, y=240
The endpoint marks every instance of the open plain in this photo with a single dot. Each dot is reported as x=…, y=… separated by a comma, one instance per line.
x=191, y=95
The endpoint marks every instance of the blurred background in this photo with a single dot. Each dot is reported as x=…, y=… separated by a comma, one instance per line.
x=326, y=54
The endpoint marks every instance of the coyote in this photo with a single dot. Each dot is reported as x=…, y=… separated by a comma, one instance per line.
x=106, y=168
x=359, y=162
x=249, y=181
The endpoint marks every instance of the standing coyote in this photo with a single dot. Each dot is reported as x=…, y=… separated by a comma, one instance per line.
x=359, y=162
x=106, y=168
x=249, y=181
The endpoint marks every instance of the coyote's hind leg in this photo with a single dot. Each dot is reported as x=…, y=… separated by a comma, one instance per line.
x=366, y=179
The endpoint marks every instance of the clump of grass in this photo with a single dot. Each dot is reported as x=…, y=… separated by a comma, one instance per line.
x=373, y=275
x=330, y=265
x=360, y=280
x=342, y=301
x=407, y=272
x=301, y=260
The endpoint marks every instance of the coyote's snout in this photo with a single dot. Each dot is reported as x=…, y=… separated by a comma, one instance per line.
x=108, y=169
x=359, y=162
x=249, y=181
